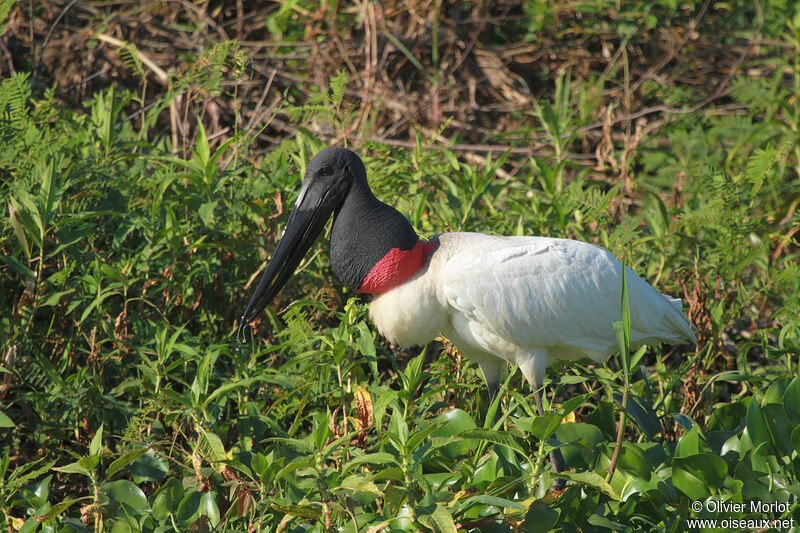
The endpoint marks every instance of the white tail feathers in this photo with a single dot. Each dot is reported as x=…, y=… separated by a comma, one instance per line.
x=678, y=322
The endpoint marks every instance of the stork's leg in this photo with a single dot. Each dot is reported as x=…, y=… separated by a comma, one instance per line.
x=556, y=459
x=533, y=367
x=492, y=370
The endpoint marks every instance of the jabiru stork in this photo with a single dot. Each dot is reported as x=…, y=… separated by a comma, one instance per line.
x=525, y=300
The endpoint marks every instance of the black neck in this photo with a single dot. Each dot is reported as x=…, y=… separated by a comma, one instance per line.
x=364, y=230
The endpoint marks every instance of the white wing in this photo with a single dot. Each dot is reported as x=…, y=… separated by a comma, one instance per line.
x=512, y=296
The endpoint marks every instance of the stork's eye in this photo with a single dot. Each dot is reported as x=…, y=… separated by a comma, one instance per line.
x=326, y=170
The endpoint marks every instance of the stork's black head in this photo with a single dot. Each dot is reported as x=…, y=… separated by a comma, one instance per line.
x=328, y=180
x=373, y=247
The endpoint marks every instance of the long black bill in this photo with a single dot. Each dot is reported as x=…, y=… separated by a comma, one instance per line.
x=306, y=222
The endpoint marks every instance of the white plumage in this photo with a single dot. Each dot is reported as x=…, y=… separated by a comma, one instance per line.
x=526, y=300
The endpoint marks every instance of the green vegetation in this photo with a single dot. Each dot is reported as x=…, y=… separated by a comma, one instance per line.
x=129, y=243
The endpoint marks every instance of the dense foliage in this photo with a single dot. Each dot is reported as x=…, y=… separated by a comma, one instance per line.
x=128, y=404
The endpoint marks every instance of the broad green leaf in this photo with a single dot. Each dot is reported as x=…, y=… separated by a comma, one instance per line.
x=361, y=489
x=544, y=426
x=689, y=443
x=796, y=439
x=380, y=458
x=643, y=415
x=120, y=525
x=189, y=509
x=727, y=417
x=757, y=429
x=149, y=467
x=791, y=401
x=167, y=499
x=496, y=437
x=778, y=423
x=686, y=422
x=540, y=517
x=5, y=421
x=89, y=462
x=72, y=468
x=123, y=491
x=453, y=423
x=495, y=501
x=443, y=520
x=213, y=444
x=209, y=508
x=206, y=213
x=696, y=474
x=631, y=459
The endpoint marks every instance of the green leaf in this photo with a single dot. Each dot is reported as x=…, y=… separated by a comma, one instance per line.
x=452, y=423
x=361, y=489
x=209, y=508
x=228, y=387
x=124, y=460
x=695, y=474
x=418, y=437
x=796, y=439
x=443, y=520
x=206, y=212
x=89, y=462
x=544, y=426
x=120, y=525
x=689, y=444
x=167, y=499
x=366, y=345
x=643, y=415
x=380, y=458
x=495, y=501
x=72, y=468
x=48, y=194
x=685, y=422
x=13, y=263
x=149, y=467
x=19, y=231
x=791, y=401
x=490, y=435
x=632, y=460
x=321, y=429
x=202, y=149
x=5, y=421
x=540, y=517
x=57, y=509
x=757, y=429
x=592, y=479
x=778, y=423
x=125, y=492
x=625, y=345
x=727, y=417
x=189, y=510
x=97, y=442
x=214, y=446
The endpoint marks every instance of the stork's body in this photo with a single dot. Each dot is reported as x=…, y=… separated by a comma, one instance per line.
x=526, y=300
